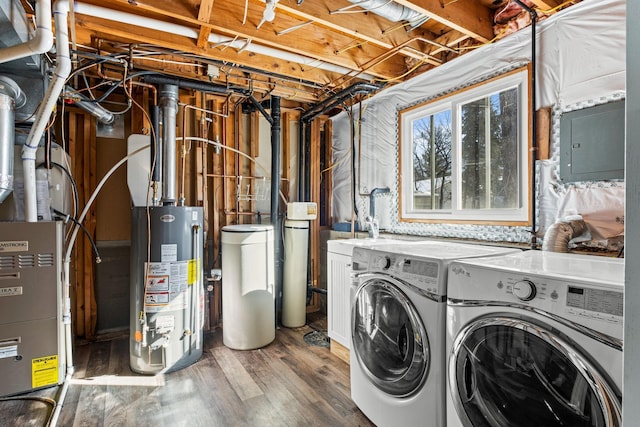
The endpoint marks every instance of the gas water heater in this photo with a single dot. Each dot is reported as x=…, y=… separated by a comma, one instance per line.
x=167, y=295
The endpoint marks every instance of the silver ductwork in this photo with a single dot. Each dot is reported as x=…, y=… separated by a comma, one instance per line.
x=558, y=236
x=168, y=95
x=392, y=11
x=11, y=97
x=93, y=108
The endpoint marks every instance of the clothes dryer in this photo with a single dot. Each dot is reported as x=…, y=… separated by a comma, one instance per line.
x=398, y=329
x=535, y=339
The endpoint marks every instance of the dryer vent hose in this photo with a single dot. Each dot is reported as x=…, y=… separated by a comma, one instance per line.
x=558, y=236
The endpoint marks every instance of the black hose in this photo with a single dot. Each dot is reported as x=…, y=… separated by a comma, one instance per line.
x=66, y=217
x=71, y=180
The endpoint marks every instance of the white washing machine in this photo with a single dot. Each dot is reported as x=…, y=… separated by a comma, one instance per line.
x=535, y=339
x=398, y=329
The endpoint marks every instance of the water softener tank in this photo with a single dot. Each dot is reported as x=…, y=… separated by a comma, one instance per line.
x=248, y=297
x=167, y=295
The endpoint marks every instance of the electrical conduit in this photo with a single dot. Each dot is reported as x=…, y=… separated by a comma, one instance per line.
x=60, y=74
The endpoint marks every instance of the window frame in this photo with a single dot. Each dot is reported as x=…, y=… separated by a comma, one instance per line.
x=521, y=215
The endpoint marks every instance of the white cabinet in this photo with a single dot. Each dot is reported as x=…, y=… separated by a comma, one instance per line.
x=338, y=291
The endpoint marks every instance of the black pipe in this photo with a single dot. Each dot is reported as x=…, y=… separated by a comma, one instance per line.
x=275, y=198
x=534, y=121
x=154, y=117
x=361, y=88
x=262, y=110
x=190, y=84
x=301, y=161
x=307, y=160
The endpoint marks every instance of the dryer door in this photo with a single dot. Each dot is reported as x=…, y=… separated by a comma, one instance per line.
x=509, y=372
x=389, y=338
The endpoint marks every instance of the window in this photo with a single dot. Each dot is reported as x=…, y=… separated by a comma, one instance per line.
x=464, y=157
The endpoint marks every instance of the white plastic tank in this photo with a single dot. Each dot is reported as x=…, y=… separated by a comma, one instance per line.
x=248, y=286
x=294, y=281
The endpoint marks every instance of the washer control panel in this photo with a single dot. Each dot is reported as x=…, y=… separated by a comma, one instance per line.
x=424, y=273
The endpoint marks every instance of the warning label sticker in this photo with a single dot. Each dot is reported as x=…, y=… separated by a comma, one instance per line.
x=167, y=283
x=44, y=371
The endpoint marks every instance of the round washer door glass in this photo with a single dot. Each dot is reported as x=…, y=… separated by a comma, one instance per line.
x=389, y=338
x=507, y=372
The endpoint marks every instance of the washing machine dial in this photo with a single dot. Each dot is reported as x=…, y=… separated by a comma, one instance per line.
x=524, y=290
x=382, y=262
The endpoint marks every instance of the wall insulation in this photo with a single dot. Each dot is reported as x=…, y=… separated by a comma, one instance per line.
x=581, y=61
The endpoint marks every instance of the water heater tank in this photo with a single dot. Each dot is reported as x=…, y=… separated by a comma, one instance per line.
x=167, y=295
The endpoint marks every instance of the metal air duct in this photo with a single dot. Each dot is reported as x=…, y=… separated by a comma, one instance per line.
x=559, y=235
x=11, y=97
x=168, y=95
x=93, y=108
x=392, y=11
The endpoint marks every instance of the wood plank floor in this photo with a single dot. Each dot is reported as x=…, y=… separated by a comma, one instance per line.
x=287, y=383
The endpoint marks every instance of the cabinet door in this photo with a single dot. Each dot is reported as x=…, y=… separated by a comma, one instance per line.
x=339, y=292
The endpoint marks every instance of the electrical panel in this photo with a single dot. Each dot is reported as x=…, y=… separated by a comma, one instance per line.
x=592, y=143
x=31, y=329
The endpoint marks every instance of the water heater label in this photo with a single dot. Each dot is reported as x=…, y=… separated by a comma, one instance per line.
x=14, y=246
x=166, y=286
x=169, y=252
x=10, y=292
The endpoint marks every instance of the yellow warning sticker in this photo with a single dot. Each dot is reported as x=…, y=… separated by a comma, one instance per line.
x=44, y=371
x=194, y=267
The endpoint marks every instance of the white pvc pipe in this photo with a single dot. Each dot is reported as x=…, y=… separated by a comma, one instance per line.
x=60, y=74
x=181, y=30
x=40, y=43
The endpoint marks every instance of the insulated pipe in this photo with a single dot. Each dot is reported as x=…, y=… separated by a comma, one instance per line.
x=275, y=201
x=353, y=90
x=181, y=30
x=60, y=74
x=11, y=97
x=42, y=41
x=559, y=235
x=154, y=118
x=187, y=84
x=168, y=95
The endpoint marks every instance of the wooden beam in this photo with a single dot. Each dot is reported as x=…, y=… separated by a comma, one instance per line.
x=313, y=44
x=123, y=32
x=469, y=17
x=204, y=15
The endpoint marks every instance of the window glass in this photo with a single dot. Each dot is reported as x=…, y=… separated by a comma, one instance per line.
x=489, y=151
x=465, y=156
x=432, y=161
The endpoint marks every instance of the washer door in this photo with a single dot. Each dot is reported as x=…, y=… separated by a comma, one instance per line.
x=511, y=372
x=389, y=339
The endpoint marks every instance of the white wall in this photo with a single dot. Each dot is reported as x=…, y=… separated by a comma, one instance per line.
x=581, y=61
x=631, y=382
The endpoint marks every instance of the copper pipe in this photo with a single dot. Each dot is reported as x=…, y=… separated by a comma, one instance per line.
x=388, y=54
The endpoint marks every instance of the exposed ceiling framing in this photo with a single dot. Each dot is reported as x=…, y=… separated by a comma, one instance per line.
x=311, y=47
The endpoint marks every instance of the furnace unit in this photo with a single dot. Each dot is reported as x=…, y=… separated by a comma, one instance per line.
x=31, y=328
